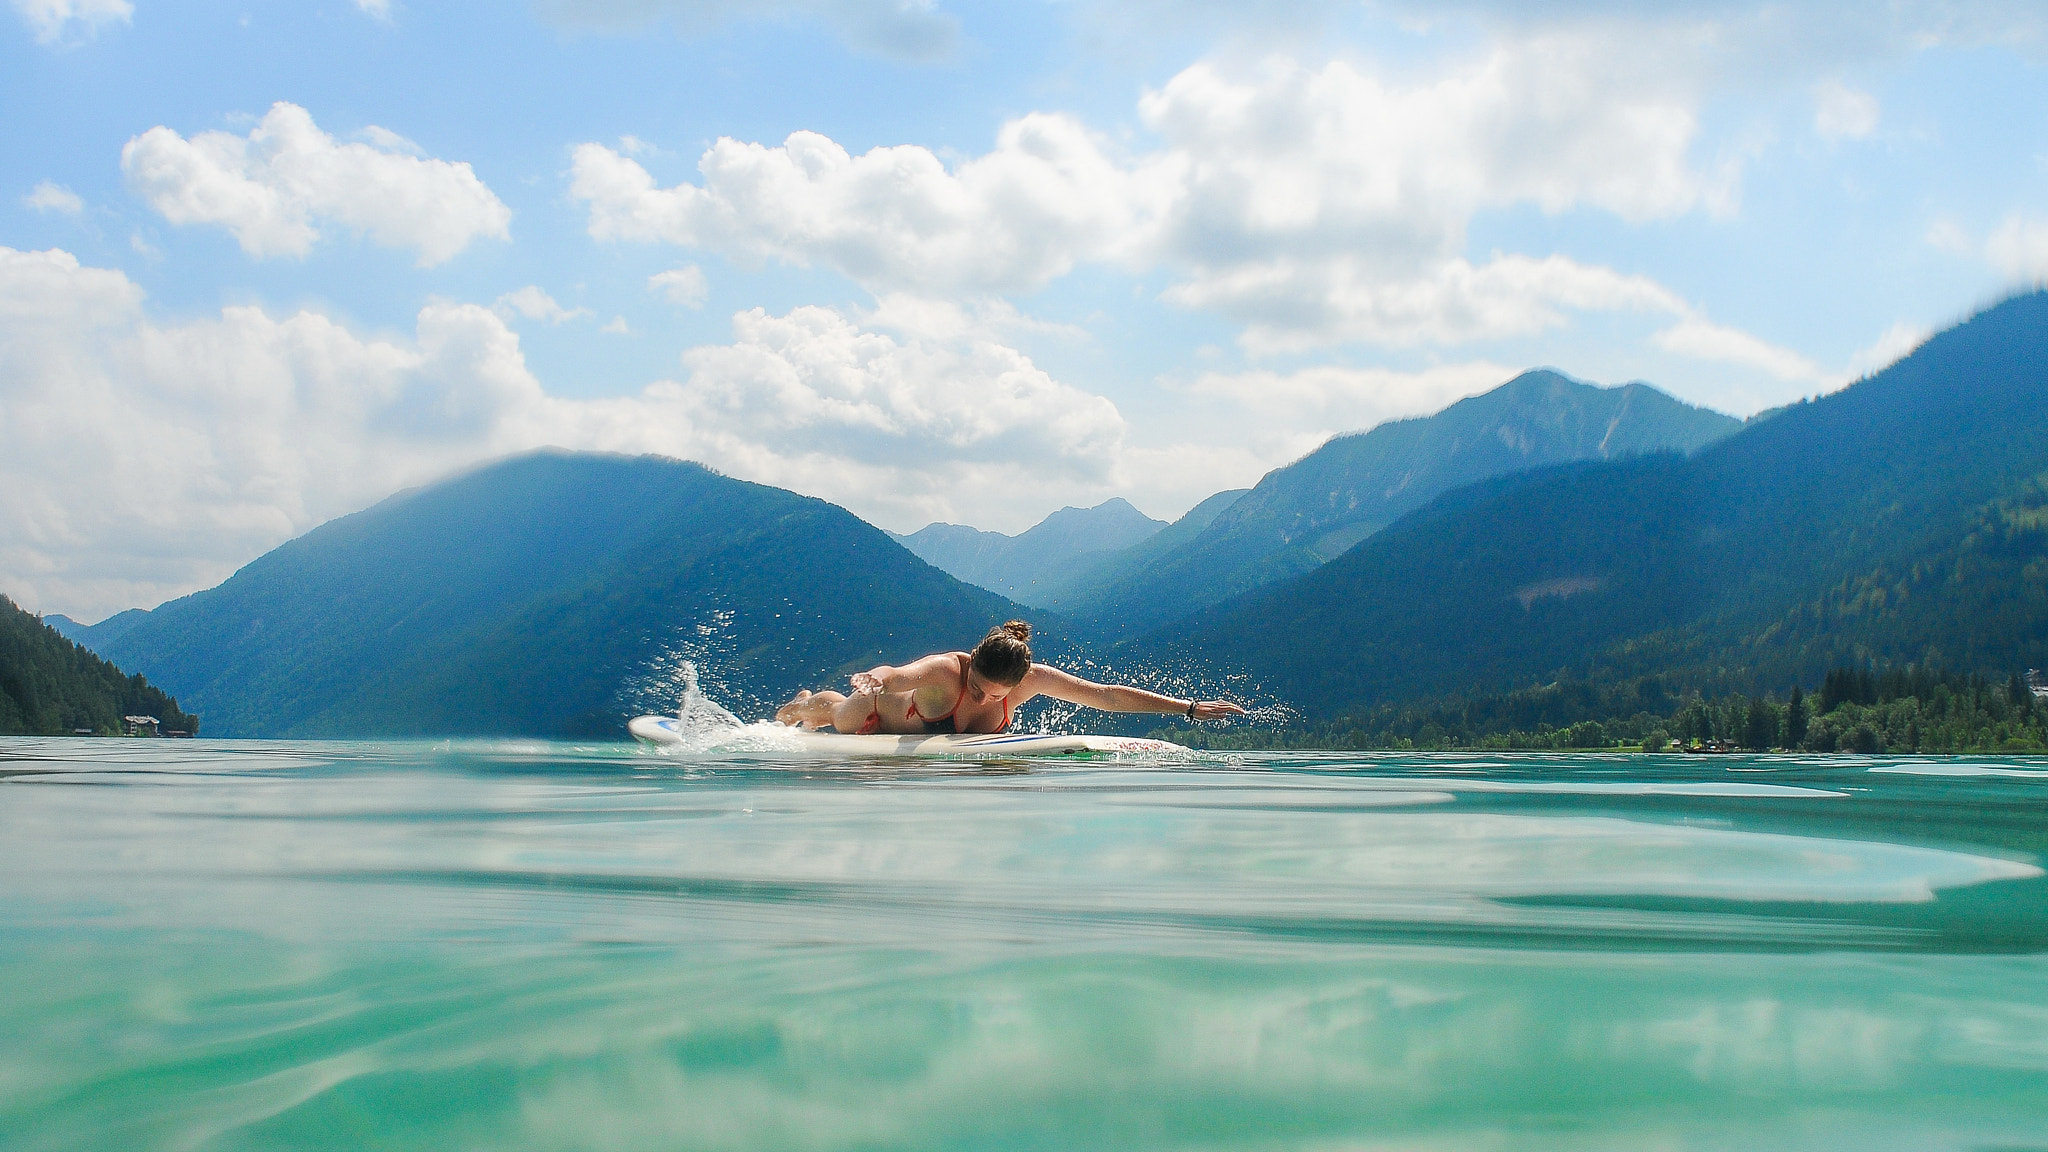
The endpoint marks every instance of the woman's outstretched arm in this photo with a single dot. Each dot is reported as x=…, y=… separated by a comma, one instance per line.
x=1049, y=681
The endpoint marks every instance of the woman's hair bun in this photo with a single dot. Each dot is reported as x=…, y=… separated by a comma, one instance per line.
x=1004, y=655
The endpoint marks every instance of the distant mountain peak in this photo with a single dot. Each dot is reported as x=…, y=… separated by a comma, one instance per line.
x=1323, y=504
x=1017, y=566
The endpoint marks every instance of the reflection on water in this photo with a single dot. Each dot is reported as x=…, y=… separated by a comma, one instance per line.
x=522, y=944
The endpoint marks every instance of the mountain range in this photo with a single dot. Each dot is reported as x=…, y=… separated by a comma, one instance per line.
x=1901, y=519
x=1303, y=515
x=549, y=594
x=1051, y=552
x=1610, y=533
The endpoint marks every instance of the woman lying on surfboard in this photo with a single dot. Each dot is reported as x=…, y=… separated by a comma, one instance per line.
x=973, y=692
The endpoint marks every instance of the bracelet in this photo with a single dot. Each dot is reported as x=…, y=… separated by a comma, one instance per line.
x=1191, y=709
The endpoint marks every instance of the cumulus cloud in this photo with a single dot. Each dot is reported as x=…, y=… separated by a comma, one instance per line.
x=535, y=304
x=891, y=218
x=237, y=432
x=145, y=460
x=1843, y=113
x=1705, y=340
x=1295, y=304
x=904, y=29
x=685, y=287
x=814, y=383
x=49, y=197
x=53, y=21
x=278, y=187
x=1314, y=205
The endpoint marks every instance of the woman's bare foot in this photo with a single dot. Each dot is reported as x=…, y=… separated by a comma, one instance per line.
x=792, y=712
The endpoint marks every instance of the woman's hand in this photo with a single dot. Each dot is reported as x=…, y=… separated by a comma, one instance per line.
x=1215, y=710
x=866, y=684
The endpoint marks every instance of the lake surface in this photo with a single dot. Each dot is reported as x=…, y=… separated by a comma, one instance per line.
x=226, y=945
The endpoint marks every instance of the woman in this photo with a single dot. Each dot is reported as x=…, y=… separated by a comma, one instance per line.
x=973, y=692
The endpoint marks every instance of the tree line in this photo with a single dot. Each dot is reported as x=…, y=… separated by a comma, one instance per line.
x=50, y=686
x=1905, y=710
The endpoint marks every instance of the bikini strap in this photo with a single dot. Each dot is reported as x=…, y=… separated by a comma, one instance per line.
x=965, y=663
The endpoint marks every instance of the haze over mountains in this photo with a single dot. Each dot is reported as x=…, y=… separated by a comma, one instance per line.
x=549, y=594
x=1046, y=555
x=1904, y=518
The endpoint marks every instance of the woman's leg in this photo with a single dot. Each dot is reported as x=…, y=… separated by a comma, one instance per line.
x=828, y=709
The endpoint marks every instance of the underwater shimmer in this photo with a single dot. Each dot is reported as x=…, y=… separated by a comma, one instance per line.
x=253, y=945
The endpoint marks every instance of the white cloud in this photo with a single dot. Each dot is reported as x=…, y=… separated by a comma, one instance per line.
x=904, y=29
x=55, y=20
x=248, y=429
x=934, y=319
x=376, y=9
x=684, y=287
x=1313, y=205
x=1705, y=340
x=1843, y=113
x=49, y=197
x=1291, y=304
x=534, y=304
x=891, y=218
x=389, y=141
x=801, y=396
x=1337, y=399
x=1896, y=342
x=617, y=326
x=144, y=460
x=1321, y=205
x=2019, y=248
x=277, y=187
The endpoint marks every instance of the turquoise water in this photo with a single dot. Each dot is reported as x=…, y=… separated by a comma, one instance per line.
x=482, y=946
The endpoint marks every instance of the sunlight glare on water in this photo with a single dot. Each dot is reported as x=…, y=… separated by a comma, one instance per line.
x=251, y=945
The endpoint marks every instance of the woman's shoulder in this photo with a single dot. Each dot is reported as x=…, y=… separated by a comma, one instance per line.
x=937, y=661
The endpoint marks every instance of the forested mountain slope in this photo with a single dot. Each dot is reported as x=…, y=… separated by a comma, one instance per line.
x=1301, y=516
x=549, y=594
x=1900, y=519
x=51, y=686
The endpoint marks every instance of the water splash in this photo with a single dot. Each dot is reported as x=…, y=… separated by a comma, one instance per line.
x=708, y=728
x=698, y=712
x=692, y=655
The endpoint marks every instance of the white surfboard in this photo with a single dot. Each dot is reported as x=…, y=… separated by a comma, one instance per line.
x=663, y=731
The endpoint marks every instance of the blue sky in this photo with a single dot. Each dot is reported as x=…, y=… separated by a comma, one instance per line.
x=264, y=264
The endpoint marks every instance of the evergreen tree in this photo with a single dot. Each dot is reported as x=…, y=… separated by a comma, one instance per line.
x=1760, y=725
x=1796, y=718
